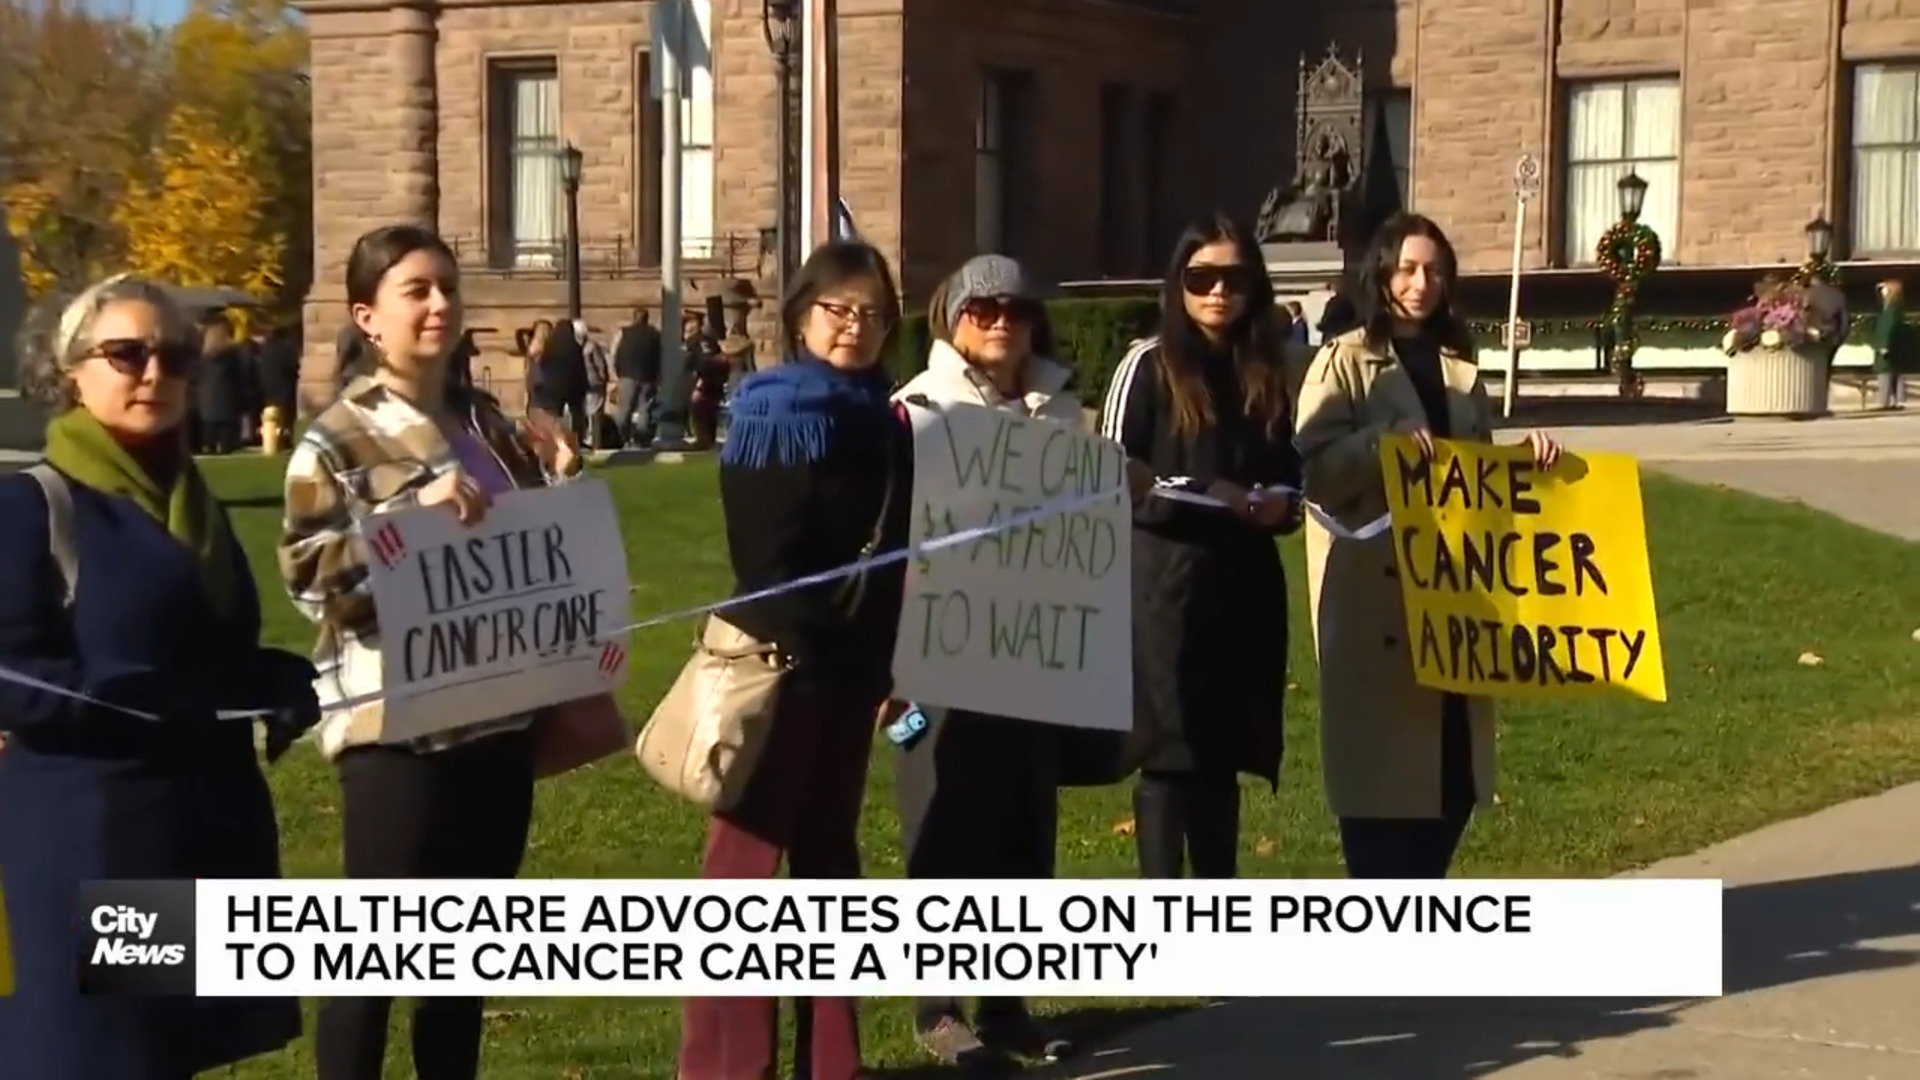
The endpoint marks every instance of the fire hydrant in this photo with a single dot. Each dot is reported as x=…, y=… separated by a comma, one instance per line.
x=271, y=430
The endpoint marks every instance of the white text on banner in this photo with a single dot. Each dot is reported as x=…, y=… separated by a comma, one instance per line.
x=525, y=609
x=1612, y=938
x=1033, y=622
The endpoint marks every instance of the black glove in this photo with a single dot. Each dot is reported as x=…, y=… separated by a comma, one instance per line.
x=286, y=679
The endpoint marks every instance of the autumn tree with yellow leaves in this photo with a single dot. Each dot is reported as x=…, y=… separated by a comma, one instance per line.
x=180, y=152
x=202, y=216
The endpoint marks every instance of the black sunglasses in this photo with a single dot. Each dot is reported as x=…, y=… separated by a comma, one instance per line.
x=1201, y=280
x=129, y=356
x=988, y=310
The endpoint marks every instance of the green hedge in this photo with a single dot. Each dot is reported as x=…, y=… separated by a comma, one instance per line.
x=1092, y=335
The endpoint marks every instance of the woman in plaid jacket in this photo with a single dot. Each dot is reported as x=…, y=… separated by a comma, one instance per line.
x=457, y=803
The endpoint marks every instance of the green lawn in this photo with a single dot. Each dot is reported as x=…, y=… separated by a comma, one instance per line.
x=1750, y=736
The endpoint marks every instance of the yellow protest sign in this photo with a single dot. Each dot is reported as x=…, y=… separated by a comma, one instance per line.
x=6, y=947
x=1523, y=582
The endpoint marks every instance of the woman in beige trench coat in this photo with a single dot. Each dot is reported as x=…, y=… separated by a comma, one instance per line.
x=1405, y=765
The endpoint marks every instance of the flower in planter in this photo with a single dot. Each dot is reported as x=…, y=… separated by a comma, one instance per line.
x=1780, y=316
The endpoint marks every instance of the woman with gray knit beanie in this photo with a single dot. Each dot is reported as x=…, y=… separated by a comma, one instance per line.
x=978, y=794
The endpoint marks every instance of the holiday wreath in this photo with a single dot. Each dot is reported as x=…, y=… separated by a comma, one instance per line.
x=1627, y=253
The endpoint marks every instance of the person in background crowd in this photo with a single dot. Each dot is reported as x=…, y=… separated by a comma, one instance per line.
x=636, y=367
x=279, y=374
x=1205, y=406
x=978, y=794
x=534, y=349
x=455, y=804
x=563, y=379
x=1896, y=353
x=1298, y=331
x=1404, y=764
x=1338, y=317
x=712, y=372
x=167, y=625
x=816, y=473
x=599, y=383
x=219, y=388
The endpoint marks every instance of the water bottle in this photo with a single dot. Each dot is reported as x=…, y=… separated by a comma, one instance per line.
x=908, y=729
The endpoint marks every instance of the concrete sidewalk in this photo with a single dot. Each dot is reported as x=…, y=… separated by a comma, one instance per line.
x=1822, y=913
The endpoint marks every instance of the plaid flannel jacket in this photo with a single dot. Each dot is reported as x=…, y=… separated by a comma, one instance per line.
x=370, y=452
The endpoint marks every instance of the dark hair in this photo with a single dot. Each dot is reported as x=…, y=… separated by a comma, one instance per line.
x=381, y=250
x=1374, y=304
x=832, y=265
x=1254, y=336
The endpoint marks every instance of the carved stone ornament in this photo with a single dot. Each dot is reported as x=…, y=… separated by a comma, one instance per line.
x=1328, y=166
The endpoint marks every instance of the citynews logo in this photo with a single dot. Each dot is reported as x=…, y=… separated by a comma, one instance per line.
x=137, y=938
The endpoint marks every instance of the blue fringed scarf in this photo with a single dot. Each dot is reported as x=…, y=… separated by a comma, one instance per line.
x=787, y=415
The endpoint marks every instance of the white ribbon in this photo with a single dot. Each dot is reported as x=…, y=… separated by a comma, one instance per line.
x=1165, y=489
x=964, y=536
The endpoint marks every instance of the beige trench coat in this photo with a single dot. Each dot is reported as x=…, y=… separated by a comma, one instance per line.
x=1379, y=730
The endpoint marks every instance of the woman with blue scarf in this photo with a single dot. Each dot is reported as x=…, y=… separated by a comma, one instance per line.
x=815, y=474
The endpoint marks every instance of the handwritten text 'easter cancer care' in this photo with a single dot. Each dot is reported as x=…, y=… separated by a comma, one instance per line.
x=548, y=916
x=492, y=599
x=1514, y=562
x=1025, y=466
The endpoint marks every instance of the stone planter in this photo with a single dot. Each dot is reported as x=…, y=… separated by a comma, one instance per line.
x=1777, y=382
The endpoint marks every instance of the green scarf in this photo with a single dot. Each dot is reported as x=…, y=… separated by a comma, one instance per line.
x=79, y=446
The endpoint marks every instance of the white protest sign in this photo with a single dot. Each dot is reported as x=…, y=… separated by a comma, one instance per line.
x=1033, y=622
x=523, y=610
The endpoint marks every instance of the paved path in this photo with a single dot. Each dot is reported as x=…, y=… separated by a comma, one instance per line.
x=1822, y=913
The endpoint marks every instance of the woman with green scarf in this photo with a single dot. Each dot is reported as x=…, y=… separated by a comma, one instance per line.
x=128, y=623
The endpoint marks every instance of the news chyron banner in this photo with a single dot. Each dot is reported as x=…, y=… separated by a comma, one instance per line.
x=1612, y=938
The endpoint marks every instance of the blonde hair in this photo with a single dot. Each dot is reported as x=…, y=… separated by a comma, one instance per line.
x=59, y=336
x=1893, y=290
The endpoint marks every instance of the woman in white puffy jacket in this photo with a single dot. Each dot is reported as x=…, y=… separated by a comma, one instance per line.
x=978, y=794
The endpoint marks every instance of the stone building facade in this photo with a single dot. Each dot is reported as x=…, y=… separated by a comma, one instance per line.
x=442, y=112
x=1748, y=119
x=1078, y=134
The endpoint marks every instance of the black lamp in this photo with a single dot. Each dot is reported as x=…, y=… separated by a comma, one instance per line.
x=1633, y=195
x=1820, y=239
x=570, y=165
x=777, y=24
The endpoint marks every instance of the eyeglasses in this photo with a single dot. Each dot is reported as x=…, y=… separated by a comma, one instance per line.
x=847, y=314
x=129, y=356
x=989, y=310
x=1201, y=280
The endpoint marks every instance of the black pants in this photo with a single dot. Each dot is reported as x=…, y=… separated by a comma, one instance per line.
x=1187, y=818
x=978, y=800
x=459, y=813
x=1407, y=848
x=1420, y=848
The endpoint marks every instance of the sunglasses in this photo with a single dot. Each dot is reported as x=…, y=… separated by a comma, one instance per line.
x=989, y=310
x=1201, y=280
x=129, y=356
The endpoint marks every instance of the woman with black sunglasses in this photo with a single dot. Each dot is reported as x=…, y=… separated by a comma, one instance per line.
x=124, y=593
x=1204, y=405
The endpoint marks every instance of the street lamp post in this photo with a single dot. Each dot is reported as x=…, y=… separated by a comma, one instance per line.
x=570, y=165
x=779, y=23
x=1627, y=253
x=1819, y=266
